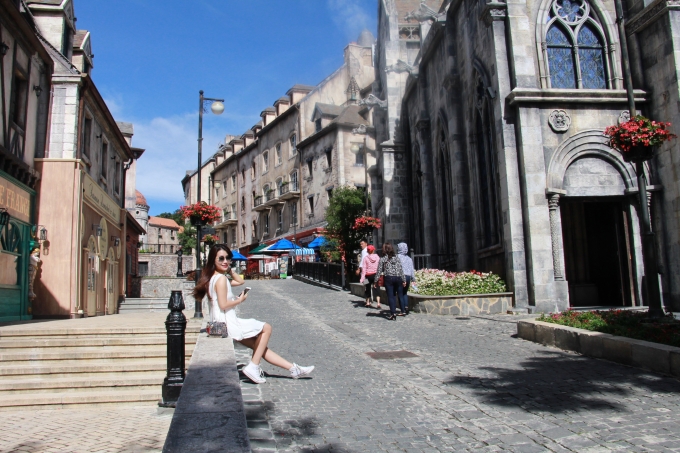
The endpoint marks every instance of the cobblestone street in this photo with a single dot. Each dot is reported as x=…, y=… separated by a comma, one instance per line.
x=472, y=386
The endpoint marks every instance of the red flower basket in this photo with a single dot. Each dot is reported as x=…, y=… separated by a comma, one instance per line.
x=201, y=213
x=637, y=138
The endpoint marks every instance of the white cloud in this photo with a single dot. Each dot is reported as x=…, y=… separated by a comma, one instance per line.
x=171, y=149
x=350, y=16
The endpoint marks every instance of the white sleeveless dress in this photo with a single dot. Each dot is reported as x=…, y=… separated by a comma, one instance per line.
x=237, y=328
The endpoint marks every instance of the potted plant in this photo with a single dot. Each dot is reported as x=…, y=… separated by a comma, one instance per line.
x=201, y=213
x=638, y=137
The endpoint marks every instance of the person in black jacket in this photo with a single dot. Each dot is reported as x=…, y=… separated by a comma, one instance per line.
x=395, y=281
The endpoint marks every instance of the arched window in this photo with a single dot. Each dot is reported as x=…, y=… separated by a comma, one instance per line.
x=265, y=190
x=294, y=181
x=487, y=176
x=265, y=162
x=444, y=188
x=279, y=181
x=576, y=47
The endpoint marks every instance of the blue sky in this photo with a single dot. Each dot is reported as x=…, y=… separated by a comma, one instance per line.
x=152, y=57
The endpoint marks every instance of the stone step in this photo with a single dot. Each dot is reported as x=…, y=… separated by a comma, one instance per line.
x=71, y=399
x=150, y=300
x=51, y=384
x=7, y=358
x=89, y=342
x=93, y=332
x=86, y=367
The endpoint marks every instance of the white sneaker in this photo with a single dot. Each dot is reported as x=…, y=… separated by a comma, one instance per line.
x=298, y=371
x=254, y=373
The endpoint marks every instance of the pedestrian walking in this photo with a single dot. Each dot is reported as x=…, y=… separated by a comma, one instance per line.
x=369, y=268
x=251, y=333
x=364, y=251
x=394, y=279
x=409, y=273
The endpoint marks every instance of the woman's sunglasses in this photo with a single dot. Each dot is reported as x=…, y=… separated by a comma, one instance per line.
x=223, y=258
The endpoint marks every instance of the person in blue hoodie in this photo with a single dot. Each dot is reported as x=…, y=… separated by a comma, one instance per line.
x=409, y=273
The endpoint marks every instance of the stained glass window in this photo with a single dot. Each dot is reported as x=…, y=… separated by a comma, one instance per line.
x=591, y=58
x=575, y=46
x=560, y=59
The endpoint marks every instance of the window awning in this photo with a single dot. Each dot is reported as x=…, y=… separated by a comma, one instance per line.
x=304, y=251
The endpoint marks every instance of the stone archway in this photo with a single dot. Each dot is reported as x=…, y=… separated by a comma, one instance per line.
x=593, y=222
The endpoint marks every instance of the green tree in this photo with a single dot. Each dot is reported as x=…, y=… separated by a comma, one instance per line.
x=176, y=216
x=187, y=238
x=347, y=204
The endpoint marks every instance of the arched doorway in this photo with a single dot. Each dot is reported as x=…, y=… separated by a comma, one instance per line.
x=91, y=262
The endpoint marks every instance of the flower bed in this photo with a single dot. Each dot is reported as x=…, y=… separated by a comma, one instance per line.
x=435, y=282
x=624, y=323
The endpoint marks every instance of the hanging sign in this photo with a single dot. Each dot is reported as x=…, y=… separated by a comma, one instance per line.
x=100, y=199
x=16, y=200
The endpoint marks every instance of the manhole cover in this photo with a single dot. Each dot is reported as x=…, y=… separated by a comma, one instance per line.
x=386, y=355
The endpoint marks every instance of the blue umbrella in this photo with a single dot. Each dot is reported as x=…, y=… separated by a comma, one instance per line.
x=236, y=256
x=318, y=242
x=283, y=245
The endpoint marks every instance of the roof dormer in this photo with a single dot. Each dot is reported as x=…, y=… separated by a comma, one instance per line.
x=56, y=22
x=82, y=52
x=248, y=138
x=268, y=115
x=281, y=105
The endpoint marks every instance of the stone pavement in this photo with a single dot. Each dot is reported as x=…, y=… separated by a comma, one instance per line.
x=472, y=386
x=127, y=429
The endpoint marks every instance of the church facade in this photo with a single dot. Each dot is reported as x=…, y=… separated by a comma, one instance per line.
x=490, y=130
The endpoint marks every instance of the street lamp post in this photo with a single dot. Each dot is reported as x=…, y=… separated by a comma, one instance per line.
x=649, y=258
x=217, y=107
x=356, y=149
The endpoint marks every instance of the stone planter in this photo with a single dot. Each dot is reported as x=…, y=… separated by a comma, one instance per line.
x=462, y=305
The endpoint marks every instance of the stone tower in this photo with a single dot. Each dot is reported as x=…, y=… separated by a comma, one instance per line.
x=141, y=214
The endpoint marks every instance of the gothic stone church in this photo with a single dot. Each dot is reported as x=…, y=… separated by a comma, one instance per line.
x=492, y=143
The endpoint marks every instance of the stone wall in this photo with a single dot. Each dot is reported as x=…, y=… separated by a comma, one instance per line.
x=477, y=304
x=162, y=287
x=166, y=265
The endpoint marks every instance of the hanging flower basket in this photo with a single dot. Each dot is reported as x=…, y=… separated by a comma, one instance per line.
x=201, y=213
x=209, y=239
x=365, y=223
x=638, y=138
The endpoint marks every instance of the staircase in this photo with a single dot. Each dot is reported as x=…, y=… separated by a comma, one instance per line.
x=45, y=365
x=147, y=304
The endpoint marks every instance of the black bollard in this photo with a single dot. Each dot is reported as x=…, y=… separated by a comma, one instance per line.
x=176, y=325
x=179, y=263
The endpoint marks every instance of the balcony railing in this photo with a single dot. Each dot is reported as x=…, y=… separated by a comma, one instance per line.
x=257, y=201
x=287, y=188
x=270, y=195
x=229, y=216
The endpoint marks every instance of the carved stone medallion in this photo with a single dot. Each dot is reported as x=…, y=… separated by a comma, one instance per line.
x=559, y=120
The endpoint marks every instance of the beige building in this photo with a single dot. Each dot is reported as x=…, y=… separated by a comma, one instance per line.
x=25, y=75
x=261, y=188
x=81, y=199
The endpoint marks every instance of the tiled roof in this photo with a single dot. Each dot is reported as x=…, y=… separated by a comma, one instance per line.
x=350, y=115
x=329, y=109
x=78, y=38
x=162, y=222
x=140, y=198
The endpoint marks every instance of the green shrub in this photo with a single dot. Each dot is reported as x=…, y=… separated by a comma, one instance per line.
x=435, y=282
x=624, y=323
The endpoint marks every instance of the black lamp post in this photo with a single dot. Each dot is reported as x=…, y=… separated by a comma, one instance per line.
x=179, y=263
x=648, y=237
x=217, y=107
x=361, y=130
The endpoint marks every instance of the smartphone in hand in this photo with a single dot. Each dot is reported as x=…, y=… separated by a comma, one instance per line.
x=245, y=291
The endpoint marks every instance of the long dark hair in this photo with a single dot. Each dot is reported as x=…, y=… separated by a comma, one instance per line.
x=388, y=250
x=201, y=288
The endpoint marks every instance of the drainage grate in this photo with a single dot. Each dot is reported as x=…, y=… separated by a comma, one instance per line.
x=387, y=355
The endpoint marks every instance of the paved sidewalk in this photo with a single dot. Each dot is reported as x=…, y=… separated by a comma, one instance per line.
x=471, y=386
x=128, y=429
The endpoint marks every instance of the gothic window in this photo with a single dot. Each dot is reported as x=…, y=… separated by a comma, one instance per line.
x=486, y=171
x=575, y=46
x=444, y=188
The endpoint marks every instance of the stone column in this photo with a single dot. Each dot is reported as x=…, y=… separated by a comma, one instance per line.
x=556, y=235
x=429, y=204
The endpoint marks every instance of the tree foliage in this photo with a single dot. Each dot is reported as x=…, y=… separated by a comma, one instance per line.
x=347, y=204
x=187, y=238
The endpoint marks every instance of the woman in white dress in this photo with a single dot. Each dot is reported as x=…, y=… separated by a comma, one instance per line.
x=251, y=333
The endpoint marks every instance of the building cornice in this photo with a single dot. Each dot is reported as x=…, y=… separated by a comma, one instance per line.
x=571, y=96
x=650, y=14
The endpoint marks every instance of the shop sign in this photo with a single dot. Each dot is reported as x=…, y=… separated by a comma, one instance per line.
x=16, y=200
x=100, y=199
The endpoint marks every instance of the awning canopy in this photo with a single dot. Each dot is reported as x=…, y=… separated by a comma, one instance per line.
x=305, y=251
x=236, y=256
x=258, y=249
x=318, y=242
x=282, y=245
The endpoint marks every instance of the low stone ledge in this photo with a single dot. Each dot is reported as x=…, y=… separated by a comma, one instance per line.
x=210, y=414
x=460, y=305
x=627, y=351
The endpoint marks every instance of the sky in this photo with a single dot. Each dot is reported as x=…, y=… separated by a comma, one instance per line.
x=153, y=56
